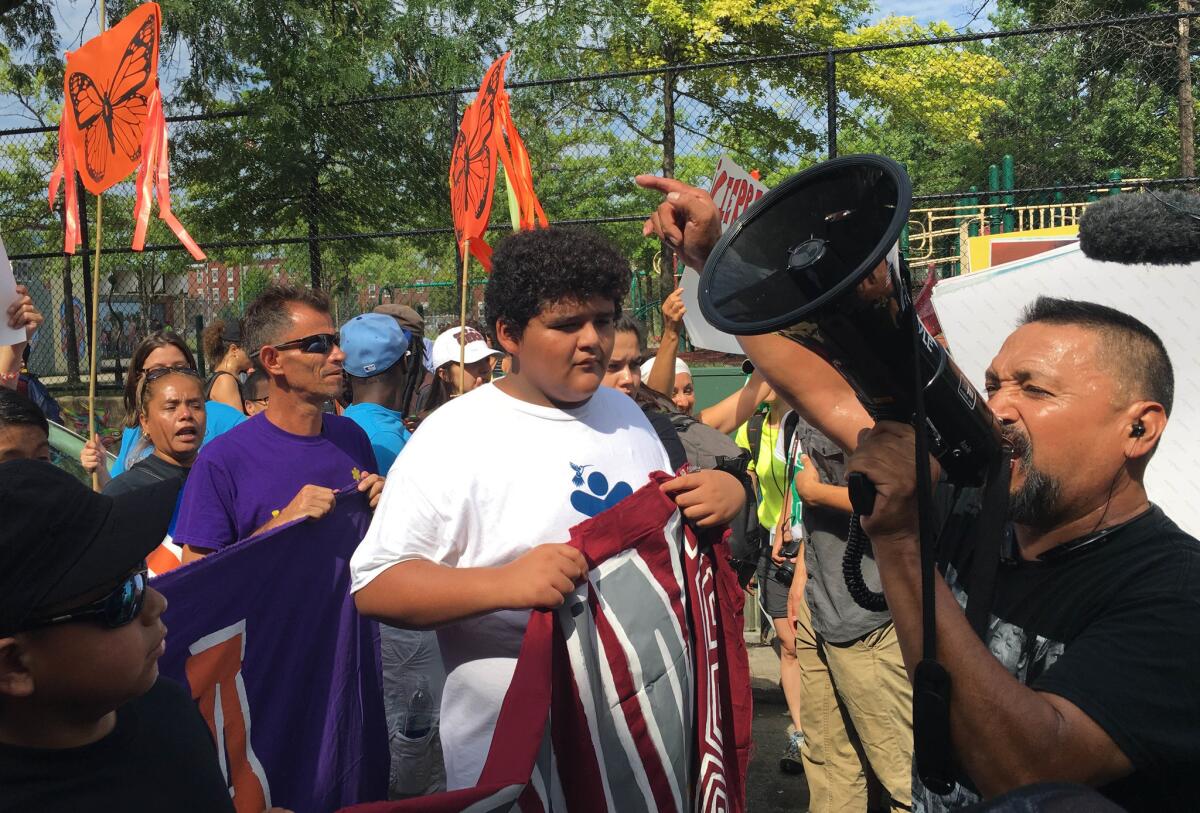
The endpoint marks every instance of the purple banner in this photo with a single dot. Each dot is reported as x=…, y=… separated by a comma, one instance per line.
x=281, y=665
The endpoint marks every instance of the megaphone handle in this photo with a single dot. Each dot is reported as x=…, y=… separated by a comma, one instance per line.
x=862, y=493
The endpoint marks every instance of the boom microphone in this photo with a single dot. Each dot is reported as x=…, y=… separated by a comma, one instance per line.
x=1154, y=228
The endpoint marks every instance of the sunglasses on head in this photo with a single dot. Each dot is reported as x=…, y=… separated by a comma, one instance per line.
x=322, y=343
x=155, y=373
x=116, y=609
x=163, y=369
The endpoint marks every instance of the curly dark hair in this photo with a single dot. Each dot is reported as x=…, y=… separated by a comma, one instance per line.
x=268, y=316
x=532, y=269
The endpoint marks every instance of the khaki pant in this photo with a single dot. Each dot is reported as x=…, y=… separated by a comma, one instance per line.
x=856, y=714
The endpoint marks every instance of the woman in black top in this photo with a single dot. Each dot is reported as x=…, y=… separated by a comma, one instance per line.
x=229, y=360
x=170, y=407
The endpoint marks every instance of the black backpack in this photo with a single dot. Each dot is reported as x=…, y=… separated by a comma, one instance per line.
x=706, y=448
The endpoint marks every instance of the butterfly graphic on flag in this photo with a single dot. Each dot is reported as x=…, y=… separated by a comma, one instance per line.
x=113, y=123
x=487, y=138
x=110, y=117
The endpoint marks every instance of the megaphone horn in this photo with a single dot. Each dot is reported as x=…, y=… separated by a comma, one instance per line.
x=818, y=259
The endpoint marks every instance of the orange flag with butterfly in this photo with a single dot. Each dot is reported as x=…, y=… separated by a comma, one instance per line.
x=486, y=138
x=113, y=123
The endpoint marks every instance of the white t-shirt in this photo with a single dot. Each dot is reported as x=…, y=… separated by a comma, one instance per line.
x=486, y=478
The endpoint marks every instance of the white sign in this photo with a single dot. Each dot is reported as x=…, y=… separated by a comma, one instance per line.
x=733, y=190
x=8, y=295
x=978, y=311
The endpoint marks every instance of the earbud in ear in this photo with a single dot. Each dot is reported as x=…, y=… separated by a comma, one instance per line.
x=1138, y=429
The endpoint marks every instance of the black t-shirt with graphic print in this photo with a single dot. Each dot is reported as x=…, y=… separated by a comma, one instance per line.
x=1113, y=627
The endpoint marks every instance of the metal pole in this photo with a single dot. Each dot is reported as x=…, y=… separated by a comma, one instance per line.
x=200, y=345
x=831, y=105
x=1010, y=183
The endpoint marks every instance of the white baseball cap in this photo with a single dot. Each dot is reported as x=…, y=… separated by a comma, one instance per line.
x=445, y=347
x=680, y=367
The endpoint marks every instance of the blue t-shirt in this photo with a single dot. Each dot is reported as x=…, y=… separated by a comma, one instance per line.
x=243, y=477
x=384, y=427
x=219, y=418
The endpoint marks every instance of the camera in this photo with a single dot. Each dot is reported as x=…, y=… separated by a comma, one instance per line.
x=785, y=572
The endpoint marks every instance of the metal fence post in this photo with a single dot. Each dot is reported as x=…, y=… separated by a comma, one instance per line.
x=831, y=101
x=200, y=345
x=314, y=229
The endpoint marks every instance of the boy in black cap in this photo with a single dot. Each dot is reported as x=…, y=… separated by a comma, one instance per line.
x=24, y=433
x=85, y=720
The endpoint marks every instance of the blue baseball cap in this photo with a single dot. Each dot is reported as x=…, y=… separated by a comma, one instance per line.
x=372, y=342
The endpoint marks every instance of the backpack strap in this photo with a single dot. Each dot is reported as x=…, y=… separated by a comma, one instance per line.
x=754, y=432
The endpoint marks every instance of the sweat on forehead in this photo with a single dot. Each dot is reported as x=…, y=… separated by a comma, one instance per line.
x=152, y=386
x=1126, y=348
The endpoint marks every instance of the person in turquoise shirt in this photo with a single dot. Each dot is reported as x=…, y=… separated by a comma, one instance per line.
x=375, y=346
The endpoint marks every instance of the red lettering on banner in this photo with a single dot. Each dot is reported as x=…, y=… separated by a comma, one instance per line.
x=731, y=202
x=214, y=672
x=721, y=179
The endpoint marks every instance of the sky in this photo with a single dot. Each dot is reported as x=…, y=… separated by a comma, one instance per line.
x=77, y=21
x=956, y=12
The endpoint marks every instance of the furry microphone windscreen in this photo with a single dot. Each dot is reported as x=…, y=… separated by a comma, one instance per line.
x=1155, y=228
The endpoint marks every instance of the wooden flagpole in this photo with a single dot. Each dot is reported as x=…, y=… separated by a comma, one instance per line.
x=462, y=319
x=95, y=309
x=95, y=305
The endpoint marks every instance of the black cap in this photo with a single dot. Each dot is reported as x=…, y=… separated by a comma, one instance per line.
x=59, y=540
x=408, y=318
x=232, y=332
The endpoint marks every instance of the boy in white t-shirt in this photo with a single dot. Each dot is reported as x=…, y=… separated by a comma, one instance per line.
x=469, y=533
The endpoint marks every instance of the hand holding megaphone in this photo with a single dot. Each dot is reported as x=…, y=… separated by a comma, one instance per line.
x=885, y=461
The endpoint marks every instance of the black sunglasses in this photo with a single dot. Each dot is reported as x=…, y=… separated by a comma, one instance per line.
x=171, y=368
x=156, y=373
x=116, y=609
x=322, y=343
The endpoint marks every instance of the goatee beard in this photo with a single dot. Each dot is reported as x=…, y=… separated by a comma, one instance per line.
x=1036, y=503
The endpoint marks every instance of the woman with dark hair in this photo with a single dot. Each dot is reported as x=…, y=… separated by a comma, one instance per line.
x=171, y=417
x=223, y=348
x=156, y=351
x=450, y=379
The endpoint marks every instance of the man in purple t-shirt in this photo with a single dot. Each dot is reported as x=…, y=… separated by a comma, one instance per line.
x=291, y=461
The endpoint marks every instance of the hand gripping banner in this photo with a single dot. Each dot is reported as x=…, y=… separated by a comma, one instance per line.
x=113, y=122
x=633, y=696
x=282, y=667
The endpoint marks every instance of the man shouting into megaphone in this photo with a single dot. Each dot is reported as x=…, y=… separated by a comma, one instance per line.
x=1087, y=671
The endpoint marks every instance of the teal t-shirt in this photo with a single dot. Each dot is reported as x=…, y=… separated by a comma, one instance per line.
x=385, y=429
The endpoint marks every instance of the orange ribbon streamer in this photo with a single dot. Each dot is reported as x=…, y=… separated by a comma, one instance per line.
x=64, y=170
x=515, y=158
x=486, y=137
x=154, y=177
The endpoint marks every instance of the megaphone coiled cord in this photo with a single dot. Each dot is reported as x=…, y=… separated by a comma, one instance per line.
x=856, y=548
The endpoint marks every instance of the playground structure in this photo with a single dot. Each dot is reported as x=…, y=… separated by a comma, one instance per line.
x=937, y=237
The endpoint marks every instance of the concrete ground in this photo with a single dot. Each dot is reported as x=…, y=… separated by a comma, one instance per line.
x=769, y=790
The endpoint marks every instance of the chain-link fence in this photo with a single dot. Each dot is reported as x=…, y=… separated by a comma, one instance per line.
x=999, y=131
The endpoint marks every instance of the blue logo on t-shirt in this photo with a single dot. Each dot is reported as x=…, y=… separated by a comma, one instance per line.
x=598, y=496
